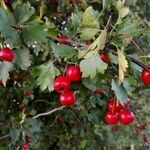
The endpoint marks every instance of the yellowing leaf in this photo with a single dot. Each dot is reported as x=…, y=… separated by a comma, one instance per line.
x=89, y=18
x=123, y=65
x=97, y=45
x=122, y=10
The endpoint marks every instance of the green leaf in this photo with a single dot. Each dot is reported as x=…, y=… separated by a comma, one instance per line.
x=63, y=50
x=5, y=67
x=120, y=91
x=146, y=31
x=23, y=12
x=88, y=33
x=14, y=134
x=23, y=58
x=34, y=33
x=6, y=23
x=106, y=3
x=89, y=18
x=130, y=27
x=127, y=86
x=92, y=65
x=46, y=75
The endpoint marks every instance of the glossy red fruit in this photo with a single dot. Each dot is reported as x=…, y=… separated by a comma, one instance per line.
x=126, y=116
x=25, y=146
x=73, y=73
x=104, y=57
x=67, y=98
x=63, y=39
x=22, y=105
x=6, y=54
x=117, y=108
x=111, y=118
x=145, y=75
x=61, y=84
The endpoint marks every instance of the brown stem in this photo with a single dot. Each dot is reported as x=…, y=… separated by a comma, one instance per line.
x=78, y=44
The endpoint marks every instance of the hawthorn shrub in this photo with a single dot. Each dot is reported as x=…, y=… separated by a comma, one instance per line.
x=74, y=74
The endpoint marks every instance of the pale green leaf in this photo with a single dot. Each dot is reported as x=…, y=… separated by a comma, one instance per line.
x=88, y=33
x=23, y=58
x=122, y=10
x=63, y=50
x=5, y=67
x=46, y=75
x=120, y=91
x=123, y=65
x=91, y=66
x=89, y=18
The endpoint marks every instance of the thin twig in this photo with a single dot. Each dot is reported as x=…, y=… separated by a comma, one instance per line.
x=75, y=43
x=4, y=137
x=49, y=112
x=138, y=48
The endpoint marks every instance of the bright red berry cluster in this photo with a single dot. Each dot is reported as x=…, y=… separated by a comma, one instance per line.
x=62, y=39
x=6, y=54
x=62, y=85
x=25, y=145
x=104, y=57
x=117, y=112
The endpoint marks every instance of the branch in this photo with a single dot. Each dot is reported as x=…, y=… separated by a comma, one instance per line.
x=49, y=112
x=75, y=43
x=3, y=137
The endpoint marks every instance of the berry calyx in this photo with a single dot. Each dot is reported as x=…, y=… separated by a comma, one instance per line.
x=73, y=73
x=104, y=57
x=67, y=98
x=7, y=54
x=126, y=116
x=111, y=118
x=25, y=146
x=113, y=106
x=145, y=75
x=61, y=84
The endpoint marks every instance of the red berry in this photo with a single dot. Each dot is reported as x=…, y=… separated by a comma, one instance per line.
x=88, y=42
x=7, y=54
x=73, y=73
x=145, y=75
x=111, y=118
x=61, y=84
x=28, y=140
x=22, y=105
x=114, y=107
x=28, y=92
x=63, y=39
x=126, y=116
x=99, y=91
x=25, y=146
x=104, y=57
x=67, y=98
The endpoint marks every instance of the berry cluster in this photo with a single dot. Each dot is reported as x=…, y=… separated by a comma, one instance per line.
x=62, y=85
x=6, y=54
x=117, y=112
